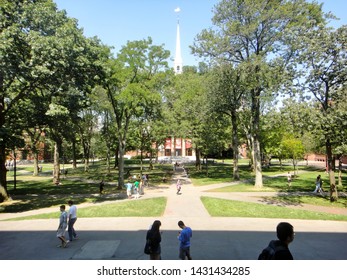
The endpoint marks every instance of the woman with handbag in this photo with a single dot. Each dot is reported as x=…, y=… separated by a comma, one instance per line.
x=153, y=239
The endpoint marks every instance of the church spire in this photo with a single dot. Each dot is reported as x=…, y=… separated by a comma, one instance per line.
x=178, y=56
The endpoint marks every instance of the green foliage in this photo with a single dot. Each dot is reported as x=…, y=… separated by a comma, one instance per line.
x=292, y=147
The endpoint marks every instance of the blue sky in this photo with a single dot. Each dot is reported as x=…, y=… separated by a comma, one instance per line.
x=117, y=21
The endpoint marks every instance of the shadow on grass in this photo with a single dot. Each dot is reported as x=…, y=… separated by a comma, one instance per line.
x=38, y=192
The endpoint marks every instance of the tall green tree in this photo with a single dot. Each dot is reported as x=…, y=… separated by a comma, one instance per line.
x=42, y=52
x=292, y=148
x=324, y=60
x=227, y=88
x=258, y=35
x=133, y=87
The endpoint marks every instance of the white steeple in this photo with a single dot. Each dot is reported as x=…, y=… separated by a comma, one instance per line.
x=178, y=56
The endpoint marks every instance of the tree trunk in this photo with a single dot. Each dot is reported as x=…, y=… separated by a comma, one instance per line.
x=3, y=182
x=121, y=165
x=206, y=166
x=108, y=158
x=257, y=165
x=56, y=164
x=340, y=173
x=235, y=143
x=116, y=156
x=86, y=154
x=74, y=157
x=141, y=160
x=330, y=165
x=255, y=134
x=36, y=163
x=197, y=159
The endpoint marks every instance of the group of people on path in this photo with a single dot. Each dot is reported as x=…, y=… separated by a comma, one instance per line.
x=137, y=187
x=276, y=250
x=67, y=221
x=153, y=240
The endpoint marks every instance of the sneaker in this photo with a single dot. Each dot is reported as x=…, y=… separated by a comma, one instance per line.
x=59, y=246
x=65, y=244
x=76, y=237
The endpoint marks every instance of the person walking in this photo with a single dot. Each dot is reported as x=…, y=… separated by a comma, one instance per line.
x=319, y=184
x=178, y=186
x=101, y=186
x=184, y=237
x=72, y=220
x=129, y=187
x=278, y=249
x=289, y=179
x=137, y=189
x=142, y=192
x=144, y=179
x=62, y=227
x=153, y=239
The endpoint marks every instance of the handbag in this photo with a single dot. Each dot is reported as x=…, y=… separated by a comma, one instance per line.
x=147, y=250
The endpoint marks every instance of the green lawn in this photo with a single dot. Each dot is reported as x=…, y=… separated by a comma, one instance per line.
x=36, y=192
x=231, y=208
x=152, y=207
x=39, y=192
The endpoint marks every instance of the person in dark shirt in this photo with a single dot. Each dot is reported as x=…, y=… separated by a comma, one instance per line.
x=154, y=238
x=278, y=249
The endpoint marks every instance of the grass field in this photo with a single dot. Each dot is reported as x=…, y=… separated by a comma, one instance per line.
x=152, y=207
x=36, y=192
x=231, y=208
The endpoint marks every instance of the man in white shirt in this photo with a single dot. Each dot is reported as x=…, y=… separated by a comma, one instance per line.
x=72, y=219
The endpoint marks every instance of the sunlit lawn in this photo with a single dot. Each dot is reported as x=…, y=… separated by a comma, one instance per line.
x=231, y=208
x=40, y=192
x=304, y=182
x=35, y=192
x=152, y=207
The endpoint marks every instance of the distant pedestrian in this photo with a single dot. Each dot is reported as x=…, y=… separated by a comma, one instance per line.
x=289, y=179
x=153, y=240
x=129, y=187
x=178, y=186
x=278, y=249
x=62, y=227
x=142, y=192
x=101, y=186
x=72, y=220
x=144, y=179
x=137, y=189
x=319, y=184
x=184, y=237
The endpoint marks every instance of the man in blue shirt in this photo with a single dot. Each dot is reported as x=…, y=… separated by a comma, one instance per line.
x=129, y=187
x=184, y=238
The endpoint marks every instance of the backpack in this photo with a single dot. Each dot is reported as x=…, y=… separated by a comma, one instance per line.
x=269, y=252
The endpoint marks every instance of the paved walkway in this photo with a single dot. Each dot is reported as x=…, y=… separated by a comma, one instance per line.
x=213, y=238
